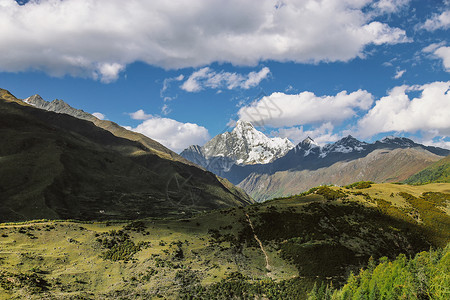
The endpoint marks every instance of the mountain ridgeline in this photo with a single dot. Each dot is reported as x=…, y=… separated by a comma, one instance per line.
x=57, y=166
x=307, y=165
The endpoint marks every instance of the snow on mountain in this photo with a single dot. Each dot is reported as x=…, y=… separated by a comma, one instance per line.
x=345, y=145
x=244, y=145
x=307, y=146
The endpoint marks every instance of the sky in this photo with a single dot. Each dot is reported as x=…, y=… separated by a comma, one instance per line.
x=182, y=72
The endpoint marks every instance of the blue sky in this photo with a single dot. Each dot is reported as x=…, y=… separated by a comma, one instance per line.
x=183, y=71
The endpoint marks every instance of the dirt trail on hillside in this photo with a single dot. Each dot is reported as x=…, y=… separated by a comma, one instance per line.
x=268, y=267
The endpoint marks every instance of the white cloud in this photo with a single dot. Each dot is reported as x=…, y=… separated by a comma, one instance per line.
x=437, y=50
x=208, y=78
x=441, y=142
x=397, y=112
x=390, y=6
x=99, y=115
x=444, y=54
x=99, y=38
x=321, y=135
x=140, y=115
x=280, y=109
x=108, y=72
x=175, y=135
x=438, y=21
x=432, y=47
x=399, y=74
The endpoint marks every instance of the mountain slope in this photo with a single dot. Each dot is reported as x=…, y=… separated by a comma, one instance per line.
x=59, y=106
x=437, y=172
x=382, y=165
x=57, y=166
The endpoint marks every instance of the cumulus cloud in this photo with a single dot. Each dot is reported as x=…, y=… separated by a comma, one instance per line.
x=174, y=135
x=208, y=78
x=280, y=109
x=398, y=112
x=322, y=135
x=99, y=115
x=438, y=21
x=140, y=115
x=441, y=52
x=99, y=38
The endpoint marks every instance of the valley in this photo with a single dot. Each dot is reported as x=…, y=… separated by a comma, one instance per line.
x=289, y=244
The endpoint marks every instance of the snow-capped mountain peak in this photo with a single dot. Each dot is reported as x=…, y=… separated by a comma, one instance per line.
x=244, y=145
x=307, y=146
x=309, y=142
x=345, y=145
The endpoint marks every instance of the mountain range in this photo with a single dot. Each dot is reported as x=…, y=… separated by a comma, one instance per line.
x=57, y=166
x=166, y=228
x=296, y=169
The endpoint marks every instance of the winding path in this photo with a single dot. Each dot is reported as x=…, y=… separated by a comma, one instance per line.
x=268, y=267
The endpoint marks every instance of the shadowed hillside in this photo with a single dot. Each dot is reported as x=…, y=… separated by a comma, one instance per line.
x=57, y=166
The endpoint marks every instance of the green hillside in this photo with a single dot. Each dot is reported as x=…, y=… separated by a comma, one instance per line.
x=437, y=172
x=426, y=276
x=277, y=250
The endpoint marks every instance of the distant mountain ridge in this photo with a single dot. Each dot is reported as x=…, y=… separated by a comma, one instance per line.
x=307, y=155
x=308, y=164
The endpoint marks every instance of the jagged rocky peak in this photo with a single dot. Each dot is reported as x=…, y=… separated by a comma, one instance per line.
x=347, y=144
x=309, y=142
x=401, y=141
x=194, y=148
x=58, y=106
x=36, y=100
x=243, y=145
x=243, y=126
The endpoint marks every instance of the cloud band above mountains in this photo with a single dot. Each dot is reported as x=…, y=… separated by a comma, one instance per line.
x=102, y=36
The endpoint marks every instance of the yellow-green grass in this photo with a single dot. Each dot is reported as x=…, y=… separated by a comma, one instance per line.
x=68, y=256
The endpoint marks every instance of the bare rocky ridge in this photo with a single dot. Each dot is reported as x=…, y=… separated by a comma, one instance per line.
x=59, y=106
